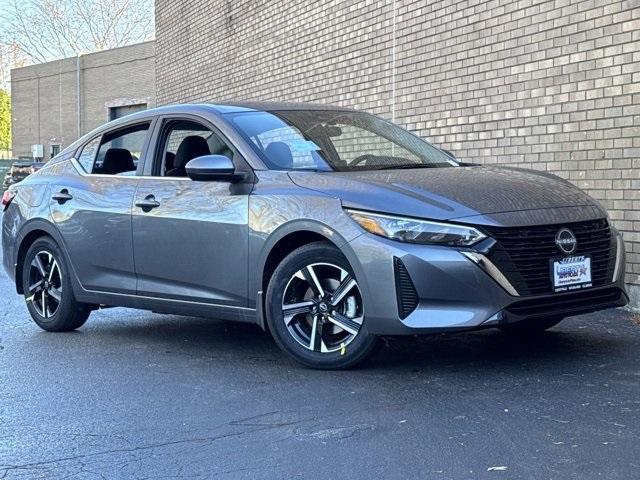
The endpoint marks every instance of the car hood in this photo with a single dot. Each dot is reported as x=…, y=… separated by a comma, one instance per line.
x=450, y=193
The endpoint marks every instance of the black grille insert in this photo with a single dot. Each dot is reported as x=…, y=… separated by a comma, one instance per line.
x=568, y=303
x=523, y=253
x=405, y=291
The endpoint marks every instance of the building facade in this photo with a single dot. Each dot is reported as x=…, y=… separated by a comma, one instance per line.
x=56, y=102
x=545, y=84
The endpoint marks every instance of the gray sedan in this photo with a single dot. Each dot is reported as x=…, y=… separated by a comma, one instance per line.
x=327, y=227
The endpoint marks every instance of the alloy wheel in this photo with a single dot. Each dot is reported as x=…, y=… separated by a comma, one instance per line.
x=45, y=284
x=322, y=307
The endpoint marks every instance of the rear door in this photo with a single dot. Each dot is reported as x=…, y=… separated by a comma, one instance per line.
x=92, y=208
x=190, y=237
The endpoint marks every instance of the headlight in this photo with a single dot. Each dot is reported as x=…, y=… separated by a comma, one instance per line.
x=417, y=231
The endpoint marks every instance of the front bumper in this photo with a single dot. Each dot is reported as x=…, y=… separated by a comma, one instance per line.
x=9, y=243
x=454, y=292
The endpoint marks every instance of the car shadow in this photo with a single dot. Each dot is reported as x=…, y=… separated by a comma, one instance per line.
x=492, y=348
x=573, y=341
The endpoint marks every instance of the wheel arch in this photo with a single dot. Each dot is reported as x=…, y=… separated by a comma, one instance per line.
x=284, y=241
x=31, y=232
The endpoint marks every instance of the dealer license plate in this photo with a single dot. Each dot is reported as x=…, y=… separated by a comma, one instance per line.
x=571, y=273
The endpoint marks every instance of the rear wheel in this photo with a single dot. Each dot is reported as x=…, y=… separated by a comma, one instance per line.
x=315, y=309
x=48, y=291
x=531, y=327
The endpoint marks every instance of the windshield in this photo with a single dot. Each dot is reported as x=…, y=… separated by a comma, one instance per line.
x=326, y=140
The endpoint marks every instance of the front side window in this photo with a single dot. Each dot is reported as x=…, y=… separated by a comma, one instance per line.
x=119, y=152
x=334, y=141
x=185, y=140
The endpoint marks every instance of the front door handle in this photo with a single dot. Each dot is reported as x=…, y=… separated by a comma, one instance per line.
x=62, y=196
x=148, y=204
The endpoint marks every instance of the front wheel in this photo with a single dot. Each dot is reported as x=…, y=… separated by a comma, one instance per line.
x=315, y=309
x=47, y=288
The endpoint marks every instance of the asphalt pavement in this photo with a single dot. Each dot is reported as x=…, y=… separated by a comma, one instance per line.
x=136, y=395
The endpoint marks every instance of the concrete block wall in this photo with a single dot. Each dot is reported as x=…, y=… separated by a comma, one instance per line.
x=44, y=96
x=545, y=84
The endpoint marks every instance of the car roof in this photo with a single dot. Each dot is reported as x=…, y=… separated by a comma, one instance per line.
x=229, y=107
x=275, y=106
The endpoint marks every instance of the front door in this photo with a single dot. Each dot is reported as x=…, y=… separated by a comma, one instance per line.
x=190, y=238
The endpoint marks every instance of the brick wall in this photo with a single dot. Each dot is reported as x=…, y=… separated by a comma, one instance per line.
x=44, y=96
x=545, y=84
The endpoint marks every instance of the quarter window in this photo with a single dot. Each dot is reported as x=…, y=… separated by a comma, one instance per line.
x=88, y=154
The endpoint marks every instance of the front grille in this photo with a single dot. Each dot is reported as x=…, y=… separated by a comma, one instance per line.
x=568, y=303
x=523, y=253
x=405, y=291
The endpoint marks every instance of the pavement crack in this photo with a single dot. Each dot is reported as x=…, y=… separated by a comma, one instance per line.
x=7, y=468
x=4, y=469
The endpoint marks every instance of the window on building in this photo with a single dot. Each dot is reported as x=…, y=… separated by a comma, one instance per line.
x=54, y=149
x=121, y=111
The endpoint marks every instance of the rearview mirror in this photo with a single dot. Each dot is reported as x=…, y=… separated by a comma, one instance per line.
x=211, y=168
x=332, y=131
x=449, y=152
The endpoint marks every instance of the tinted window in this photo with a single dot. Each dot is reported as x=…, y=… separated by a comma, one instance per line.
x=120, y=151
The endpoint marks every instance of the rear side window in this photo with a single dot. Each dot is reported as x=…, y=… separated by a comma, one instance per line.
x=115, y=153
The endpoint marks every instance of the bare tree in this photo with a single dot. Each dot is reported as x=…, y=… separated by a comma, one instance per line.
x=48, y=29
x=11, y=56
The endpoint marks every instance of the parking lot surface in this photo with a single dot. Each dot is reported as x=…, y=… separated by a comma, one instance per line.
x=136, y=395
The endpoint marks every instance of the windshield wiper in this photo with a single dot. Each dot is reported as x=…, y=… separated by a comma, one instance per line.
x=416, y=165
x=308, y=169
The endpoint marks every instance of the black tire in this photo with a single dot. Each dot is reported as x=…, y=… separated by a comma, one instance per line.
x=61, y=312
x=531, y=327
x=319, y=255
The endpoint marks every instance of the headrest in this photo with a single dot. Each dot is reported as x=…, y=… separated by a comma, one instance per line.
x=117, y=160
x=169, y=161
x=280, y=154
x=191, y=147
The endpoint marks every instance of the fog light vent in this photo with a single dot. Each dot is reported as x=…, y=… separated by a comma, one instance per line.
x=405, y=291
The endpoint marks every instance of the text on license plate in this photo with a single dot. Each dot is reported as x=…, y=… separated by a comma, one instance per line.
x=571, y=273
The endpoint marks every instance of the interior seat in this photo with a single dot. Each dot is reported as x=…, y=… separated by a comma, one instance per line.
x=117, y=160
x=191, y=147
x=280, y=154
x=169, y=161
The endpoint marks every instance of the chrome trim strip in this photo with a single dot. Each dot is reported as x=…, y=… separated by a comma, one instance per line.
x=490, y=269
x=619, y=255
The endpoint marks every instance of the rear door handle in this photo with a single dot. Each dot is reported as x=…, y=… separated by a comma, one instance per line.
x=62, y=196
x=148, y=204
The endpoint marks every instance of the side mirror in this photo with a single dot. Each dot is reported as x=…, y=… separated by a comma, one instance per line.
x=211, y=168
